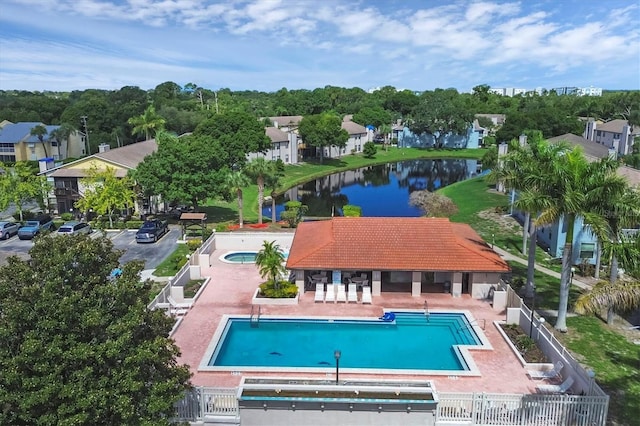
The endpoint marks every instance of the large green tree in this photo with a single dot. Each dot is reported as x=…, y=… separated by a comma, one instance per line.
x=440, y=113
x=20, y=185
x=323, y=130
x=80, y=348
x=233, y=135
x=105, y=193
x=182, y=170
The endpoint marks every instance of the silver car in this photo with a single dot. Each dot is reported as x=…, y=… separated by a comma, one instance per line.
x=75, y=227
x=7, y=229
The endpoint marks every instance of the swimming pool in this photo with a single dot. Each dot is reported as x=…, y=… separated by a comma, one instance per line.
x=413, y=342
x=242, y=257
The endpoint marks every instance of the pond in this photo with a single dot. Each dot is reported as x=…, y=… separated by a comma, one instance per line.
x=381, y=191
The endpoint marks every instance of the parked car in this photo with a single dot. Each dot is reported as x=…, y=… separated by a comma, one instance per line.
x=378, y=138
x=34, y=227
x=7, y=229
x=75, y=227
x=151, y=231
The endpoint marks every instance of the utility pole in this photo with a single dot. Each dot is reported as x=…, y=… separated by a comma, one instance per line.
x=215, y=93
x=86, y=133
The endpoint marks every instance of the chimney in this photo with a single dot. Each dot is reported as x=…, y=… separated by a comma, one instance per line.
x=522, y=139
x=103, y=147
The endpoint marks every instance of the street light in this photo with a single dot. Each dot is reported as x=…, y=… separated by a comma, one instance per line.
x=573, y=271
x=592, y=377
x=336, y=355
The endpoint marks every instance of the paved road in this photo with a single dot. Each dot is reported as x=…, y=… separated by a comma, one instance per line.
x=151, y=254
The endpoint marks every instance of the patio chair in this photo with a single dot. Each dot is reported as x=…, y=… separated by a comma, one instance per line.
x=366, y=295
x=353, y=294
x=341, y=295
x=548, y=374
x=319, y=297
x=556, y=389
x=331, y=294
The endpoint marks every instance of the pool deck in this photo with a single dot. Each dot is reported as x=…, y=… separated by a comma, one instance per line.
x=231, y=288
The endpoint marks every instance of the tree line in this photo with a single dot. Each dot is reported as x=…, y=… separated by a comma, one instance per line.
x=109, y=112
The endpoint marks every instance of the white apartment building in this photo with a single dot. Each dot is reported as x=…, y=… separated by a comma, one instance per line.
x=614, y=134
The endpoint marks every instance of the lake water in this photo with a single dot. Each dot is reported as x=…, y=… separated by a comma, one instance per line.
x=381, y=191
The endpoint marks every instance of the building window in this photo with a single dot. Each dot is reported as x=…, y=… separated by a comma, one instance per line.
x=587, y=250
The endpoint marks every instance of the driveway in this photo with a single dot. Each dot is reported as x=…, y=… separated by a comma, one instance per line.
x=151, y=254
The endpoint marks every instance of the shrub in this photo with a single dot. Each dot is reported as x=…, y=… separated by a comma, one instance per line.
x=66, y=216
x=194, y=244
x=369, y=150
x=352, y=211
x=285, y=290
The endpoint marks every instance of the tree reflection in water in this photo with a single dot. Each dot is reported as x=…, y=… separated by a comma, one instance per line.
x=381, y=190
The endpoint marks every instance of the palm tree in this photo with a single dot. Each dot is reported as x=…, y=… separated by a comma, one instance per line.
x=61, y=135
x=573, y=189
x=39, y=131
x=148, y=123
x=620, y=296
x=235, y=181
x=525, y=169
x=260, y=169
x=385, y=129
x=269, y=261
x=273, y=181
x=621, y=211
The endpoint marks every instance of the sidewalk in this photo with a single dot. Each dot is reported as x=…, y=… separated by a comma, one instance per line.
x=510, y=257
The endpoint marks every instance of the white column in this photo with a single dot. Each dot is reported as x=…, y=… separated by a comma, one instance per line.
x=416, y=283
x=376, y=283
x=300, y=281
x=456, y=285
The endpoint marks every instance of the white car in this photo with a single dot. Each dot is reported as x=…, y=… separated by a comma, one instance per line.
x=75, y=227
x=7, y=229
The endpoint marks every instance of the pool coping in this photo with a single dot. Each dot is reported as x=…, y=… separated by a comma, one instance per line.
x=462, y=351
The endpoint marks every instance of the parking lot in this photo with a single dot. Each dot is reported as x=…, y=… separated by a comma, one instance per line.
x=151, y=254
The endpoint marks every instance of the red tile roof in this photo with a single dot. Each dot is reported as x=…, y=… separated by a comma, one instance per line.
x=383, y=244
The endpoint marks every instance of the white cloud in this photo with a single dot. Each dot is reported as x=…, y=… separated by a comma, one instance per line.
x=140, y=41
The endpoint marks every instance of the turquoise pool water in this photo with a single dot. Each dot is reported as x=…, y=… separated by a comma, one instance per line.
x=412, y=342
x=243, y=257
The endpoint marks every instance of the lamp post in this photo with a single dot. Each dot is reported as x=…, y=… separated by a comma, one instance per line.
x=336, y=355
x=573, y=271
x=540, y=322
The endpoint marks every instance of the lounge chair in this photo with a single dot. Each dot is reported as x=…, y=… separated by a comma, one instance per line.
x=366, y=295
x=549, y=374
x=331, y=294
x=341, y=294
x=353, y=294
x=319, y=297
x=561, y=388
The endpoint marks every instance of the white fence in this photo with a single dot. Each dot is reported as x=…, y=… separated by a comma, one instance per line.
x=481, y=409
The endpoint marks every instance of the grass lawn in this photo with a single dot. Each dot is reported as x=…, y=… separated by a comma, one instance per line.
x=172, y=264
x=615, y=360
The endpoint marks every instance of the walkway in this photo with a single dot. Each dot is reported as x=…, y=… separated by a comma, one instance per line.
x=511, y=257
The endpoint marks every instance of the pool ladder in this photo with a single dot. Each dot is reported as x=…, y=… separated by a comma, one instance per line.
x=254, y=319
x=426, y=309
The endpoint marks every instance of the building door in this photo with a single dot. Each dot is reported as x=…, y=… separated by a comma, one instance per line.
x=466, y=279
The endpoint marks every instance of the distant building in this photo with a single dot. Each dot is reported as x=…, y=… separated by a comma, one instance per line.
x=18, y=144
x=508, y=91
x=590, y=91
x=614, y=134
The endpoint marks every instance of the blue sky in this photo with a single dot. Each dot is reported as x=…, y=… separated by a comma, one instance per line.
x=304, y=44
